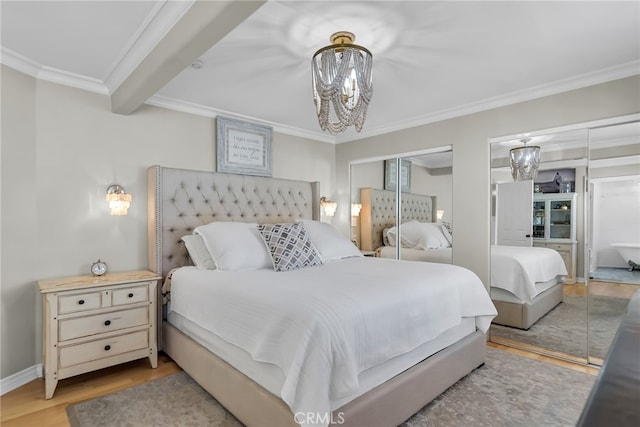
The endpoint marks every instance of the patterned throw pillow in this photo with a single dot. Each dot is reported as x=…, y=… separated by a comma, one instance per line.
x=289, y=246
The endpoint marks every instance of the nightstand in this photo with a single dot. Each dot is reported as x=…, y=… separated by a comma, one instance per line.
x=92, y=322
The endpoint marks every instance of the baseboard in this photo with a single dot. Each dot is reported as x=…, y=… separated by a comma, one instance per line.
x=18, y=379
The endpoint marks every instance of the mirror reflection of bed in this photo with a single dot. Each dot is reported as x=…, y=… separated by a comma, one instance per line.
x=580, y=319
x=426, y=198
x=548, y=227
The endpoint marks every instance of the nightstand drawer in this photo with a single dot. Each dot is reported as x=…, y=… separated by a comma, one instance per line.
x=558, y=247
x=79, y=302
x=91, y=325
x=131, y=295
x=99, y=349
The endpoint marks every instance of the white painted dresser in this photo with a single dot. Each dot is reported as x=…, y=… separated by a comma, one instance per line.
x=94, y=322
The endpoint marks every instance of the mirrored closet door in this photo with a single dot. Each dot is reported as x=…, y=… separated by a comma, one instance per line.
x=614, y=243
x=537, y=237
x=409, y=221
x=582, y=206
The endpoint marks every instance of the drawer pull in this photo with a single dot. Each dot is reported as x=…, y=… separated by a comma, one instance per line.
x=107, y=347
x=81, y=302
x=107, y=322
x=130, y=295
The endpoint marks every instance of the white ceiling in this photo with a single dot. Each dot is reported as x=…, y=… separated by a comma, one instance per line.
x=432, y=60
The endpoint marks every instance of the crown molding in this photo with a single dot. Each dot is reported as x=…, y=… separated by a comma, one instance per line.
x=202, y=110
x=156, y=25
x=577, y=82
x=21, y=63
x=42, y=72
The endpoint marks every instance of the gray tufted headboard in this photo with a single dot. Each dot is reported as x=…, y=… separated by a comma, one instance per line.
x=379, y=212
x=179, y=200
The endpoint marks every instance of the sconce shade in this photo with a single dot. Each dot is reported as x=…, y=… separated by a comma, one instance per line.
x=119, y=200
x=328, y=207
x=355, y=209
x=342, y=83
x=440, y=214
x=525, y=161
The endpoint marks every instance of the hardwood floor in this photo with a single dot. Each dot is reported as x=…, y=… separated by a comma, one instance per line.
x=607, y=289
x=26, y=406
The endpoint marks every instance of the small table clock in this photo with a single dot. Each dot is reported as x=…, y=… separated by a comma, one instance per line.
x=99, y=268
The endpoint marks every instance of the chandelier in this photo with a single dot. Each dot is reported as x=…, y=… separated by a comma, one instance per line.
x=525, y=161
x=342, y=84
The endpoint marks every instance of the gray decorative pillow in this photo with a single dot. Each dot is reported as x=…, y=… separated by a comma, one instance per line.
x=289, y=246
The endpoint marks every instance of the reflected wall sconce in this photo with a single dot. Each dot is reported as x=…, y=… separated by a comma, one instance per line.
x=119, y=200
x=328, y=207
x=440, y=214
x=355, y=213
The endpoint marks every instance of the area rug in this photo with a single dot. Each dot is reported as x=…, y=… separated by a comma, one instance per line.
x=508, y=390
x=564, y=329
x=616, y=275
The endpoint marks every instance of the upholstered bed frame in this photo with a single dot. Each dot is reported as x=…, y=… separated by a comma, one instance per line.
x=178, y=201
x=523, y=315
x=379, y=212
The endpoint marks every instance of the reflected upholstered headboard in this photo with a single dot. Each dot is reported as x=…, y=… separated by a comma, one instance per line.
x=379, y=212
x=179, y=200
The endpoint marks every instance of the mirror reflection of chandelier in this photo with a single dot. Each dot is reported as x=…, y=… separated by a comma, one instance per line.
x=342, y=83
x=525, y=161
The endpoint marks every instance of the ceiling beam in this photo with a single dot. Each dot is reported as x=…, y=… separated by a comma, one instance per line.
x=202, y=26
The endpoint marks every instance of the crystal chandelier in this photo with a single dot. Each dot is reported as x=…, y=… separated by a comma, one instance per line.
x=525, y=161
x=342, y=84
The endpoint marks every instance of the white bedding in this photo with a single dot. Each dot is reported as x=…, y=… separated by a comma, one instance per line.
x=441, y=255
x=323, y=326
x=517, y=269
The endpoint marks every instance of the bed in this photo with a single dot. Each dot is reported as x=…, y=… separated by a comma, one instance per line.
x=526, y=283
x=255, y=384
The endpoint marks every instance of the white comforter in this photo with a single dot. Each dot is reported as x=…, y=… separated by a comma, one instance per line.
x=517, y=269
x=324, y=325
x=442, y=255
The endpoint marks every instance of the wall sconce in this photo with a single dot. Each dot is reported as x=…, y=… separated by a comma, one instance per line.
x=119, y=200
x=355, y=213
x=328, y=207
x=440, y=214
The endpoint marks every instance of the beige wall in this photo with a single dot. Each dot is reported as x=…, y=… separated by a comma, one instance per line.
x=61, y=149
x=469, y=136
x=19, y=259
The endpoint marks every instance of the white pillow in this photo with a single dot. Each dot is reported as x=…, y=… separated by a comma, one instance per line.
x=289, y=245
x=235, y=246
x=409, y=238
x=330, y=244
x=198, y=252
x=420, y=235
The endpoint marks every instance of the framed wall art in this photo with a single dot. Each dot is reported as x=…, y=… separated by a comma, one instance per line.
x=390, y=175
x=243, y=147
